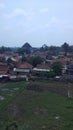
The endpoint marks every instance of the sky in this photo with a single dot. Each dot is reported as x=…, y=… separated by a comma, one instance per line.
x=37, y=22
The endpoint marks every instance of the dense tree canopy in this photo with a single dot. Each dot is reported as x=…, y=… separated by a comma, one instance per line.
x=57, y=68
x=35, y=60
x=4, y=49
x=65, y=47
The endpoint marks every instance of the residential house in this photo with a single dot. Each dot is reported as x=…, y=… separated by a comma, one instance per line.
x=2, y=57
x=3, y=68
x=68, y=73
x=40, y=68
x=22, y=69
x=64, y=61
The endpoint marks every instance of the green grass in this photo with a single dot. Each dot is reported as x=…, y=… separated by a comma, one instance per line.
x=32, y=110
x=14, y=93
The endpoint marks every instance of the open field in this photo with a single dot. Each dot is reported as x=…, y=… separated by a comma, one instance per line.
x=35, y=106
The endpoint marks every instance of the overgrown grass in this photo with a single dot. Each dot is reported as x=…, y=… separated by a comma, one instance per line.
x=14, y=93
x=33, y=110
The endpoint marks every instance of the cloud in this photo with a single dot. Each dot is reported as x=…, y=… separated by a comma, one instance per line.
x=16, y=12
x=44, y=10
x=52, y=23
x=8, y=27
x=19, y=12
x=2, y=5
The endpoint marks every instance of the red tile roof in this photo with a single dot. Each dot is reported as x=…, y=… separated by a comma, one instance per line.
x=3, y=68
x=43, y=66
x=63, y=60
x=25, y=65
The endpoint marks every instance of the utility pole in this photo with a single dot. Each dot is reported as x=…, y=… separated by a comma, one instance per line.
x=69, y=90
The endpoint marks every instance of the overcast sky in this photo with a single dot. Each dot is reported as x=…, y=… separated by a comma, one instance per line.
x=36, y=21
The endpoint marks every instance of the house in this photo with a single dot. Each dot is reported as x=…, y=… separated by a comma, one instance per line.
x=68, y=73
x=3, y=68
x=2, y=57
x=63, y=61
x=43, y=67
x=22, y=69
x=40, y=68
x=69, y=69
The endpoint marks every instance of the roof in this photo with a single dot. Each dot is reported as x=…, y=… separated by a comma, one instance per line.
x=3, y=65
x=63, y=60
x=24, y=65
x=2, y=55
x=42, y=66
x=3, y=68
x=2, y=72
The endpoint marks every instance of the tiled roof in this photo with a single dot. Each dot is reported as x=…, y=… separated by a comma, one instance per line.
x=3, y=68
x=1, y=63
x=2, y=72
x=2, y=56
x=63, y=60
x=24, y=65
x=43, y=66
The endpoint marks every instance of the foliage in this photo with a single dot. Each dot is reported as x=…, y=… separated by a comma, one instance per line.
x=49, y=74
x=4, y=49
x=44, y=48
x=23, y=59
x=2, y=60
x=65, y=47
x=36, y=110
x=35, y=60
x=54, y=50
x=57, y=68
x=25, y=49
x=21, y=51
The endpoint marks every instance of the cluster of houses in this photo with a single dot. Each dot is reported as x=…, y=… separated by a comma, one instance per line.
x=19, y=69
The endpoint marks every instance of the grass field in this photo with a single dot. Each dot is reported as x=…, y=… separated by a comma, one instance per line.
x=25, y=108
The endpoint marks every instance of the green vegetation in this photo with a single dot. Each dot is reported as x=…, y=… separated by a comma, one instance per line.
x=35, y=60
x=57, y=68
x=35, y=110
x=4, y=49
x=49, y=74
x=9, y=92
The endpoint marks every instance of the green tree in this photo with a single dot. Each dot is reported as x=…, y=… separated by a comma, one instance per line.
x=65, y=48
x=35, y=60
x=51, y=74
x=57, y=68
x=23, y=59
x=44, y=48
x=4, y=49
x=21, y=51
